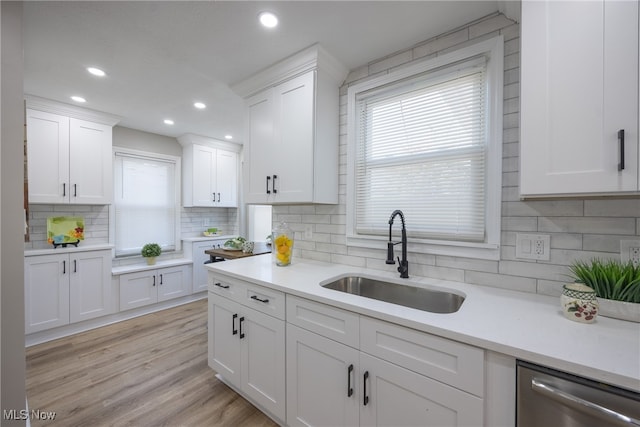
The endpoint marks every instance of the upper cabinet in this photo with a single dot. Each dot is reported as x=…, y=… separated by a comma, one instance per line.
x=579, y=98
x=68, y=154
x=291, y=138
x=210, y=172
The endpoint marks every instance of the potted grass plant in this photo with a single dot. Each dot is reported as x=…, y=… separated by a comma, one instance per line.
x=617, y=286
x=150, y=251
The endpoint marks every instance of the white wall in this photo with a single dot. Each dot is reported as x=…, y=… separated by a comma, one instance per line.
x=579, y=228
x=12, y=356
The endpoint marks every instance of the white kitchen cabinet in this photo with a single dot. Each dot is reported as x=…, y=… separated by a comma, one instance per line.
x=579, y=89
x=210, y=177
x=195, y=251
x=291, y=153
x=389, y=375
x=323, y=381
x=246, y=345
x=151, y=286
x=66, y=288
x=69, y=159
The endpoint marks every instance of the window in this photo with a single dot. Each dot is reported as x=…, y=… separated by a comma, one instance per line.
x=427, y=140
x=146, y=201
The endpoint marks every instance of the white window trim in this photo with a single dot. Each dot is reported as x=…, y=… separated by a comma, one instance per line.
x=178, y=186
x=494, y=49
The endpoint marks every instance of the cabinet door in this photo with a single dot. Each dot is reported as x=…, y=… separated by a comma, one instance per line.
x=137, y=289
x=46, y=292
x=320, y=376
x=173, y=282
x=47, y=157
x=89, y=285
x=262, y=339
x=204, y=185
x=260, y=154
x=90, y=163
x=293, y=134
x=579, y=88
x=226, y=171
x=198, y=256
x=395, y=396
x=224, y=338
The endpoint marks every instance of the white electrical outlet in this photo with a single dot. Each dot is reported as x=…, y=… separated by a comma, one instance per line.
x=205, y=222
x=533, y=246
x=308, y=231
x=630, y=251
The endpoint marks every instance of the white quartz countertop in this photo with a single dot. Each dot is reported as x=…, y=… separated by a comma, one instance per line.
x=68, y=249
x=526, y=326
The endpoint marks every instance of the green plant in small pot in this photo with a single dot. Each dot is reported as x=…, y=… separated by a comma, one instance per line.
x=150, y=251
x=617, y=286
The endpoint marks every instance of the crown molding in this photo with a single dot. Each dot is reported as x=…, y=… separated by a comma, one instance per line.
x=55, y=107
x=313, y=57
x=191, y=138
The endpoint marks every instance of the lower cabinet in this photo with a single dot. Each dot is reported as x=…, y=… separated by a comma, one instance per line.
x=66, y=288
x=247, y=345
x=151, y=286
x=342, y=368
x=195, y=251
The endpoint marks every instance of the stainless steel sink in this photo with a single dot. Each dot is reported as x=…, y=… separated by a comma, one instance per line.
x=406, y=295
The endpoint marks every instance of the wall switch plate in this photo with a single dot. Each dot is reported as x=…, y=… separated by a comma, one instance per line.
x=533, y=246
x=308, y=231
x=630, y=251
x=205, y=222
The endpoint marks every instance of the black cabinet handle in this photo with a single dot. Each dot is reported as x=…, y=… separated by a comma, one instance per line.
x=75, y=190
x=621, y=142
x=154, y=280
x=234, y=331
x=218, y=284
x=64, y=189
x=75, y=266
x=364, y=382
x=218, y=197
x=274, y=184
x=254, y=297
x=241, y=332
x=268, y=179
x=64, y=267
x=349, y=388
x=161, y=279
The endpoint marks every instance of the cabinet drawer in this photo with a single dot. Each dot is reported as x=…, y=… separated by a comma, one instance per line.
x=451, y=362
x=268, y=301
x=330, y=322
x=227, y=287
x=260, y=298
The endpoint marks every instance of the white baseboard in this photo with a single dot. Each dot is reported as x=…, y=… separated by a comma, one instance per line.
x=75, y=328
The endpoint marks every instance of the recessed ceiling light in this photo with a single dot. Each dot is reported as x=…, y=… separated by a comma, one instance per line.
x=78, y=99
x=268, y=19
x=168, y=121
x=96, y=71
x=199, y=105
x=228, y=137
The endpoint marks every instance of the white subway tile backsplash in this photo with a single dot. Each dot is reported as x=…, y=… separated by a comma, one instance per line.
x=604, y=243
x=543, y=208
x=612, y=207
x=467, y=264
x=516, y=283
x=390, y=62
x=533, y=269
x=592, y=225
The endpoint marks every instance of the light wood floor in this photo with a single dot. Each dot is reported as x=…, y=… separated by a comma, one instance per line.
x=148, y=371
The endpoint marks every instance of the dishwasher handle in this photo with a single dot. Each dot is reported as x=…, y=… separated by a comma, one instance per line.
x=582, y=405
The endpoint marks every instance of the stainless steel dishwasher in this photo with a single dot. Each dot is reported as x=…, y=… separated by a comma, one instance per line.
x=550, y=398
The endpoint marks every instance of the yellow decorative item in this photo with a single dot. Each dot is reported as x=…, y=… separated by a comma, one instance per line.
x=282, y=244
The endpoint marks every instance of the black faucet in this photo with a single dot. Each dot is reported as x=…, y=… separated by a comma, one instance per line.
x=403, y=267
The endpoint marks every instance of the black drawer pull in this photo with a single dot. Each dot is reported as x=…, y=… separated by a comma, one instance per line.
x=364, y=383
x=218, y=284
x=241, y=331
x=621, y=141
x=274, y=184
x=154, y=280
x=234, y=331
x=268, y=180
x=258, y=299
x=349, y=388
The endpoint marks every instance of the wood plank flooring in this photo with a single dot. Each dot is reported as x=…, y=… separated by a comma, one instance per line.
x=147, y=371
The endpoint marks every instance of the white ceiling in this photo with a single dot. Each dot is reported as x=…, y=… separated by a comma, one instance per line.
x=162, y=56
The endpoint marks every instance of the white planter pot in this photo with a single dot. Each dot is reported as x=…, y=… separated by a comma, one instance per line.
x=619, y=310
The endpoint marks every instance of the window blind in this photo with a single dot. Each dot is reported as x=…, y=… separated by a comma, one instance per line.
x=421, y=147
x=145, y=203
